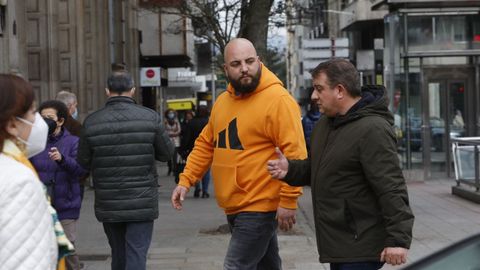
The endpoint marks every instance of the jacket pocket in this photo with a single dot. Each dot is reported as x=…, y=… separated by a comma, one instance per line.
x=362, y=214
x=229, y=194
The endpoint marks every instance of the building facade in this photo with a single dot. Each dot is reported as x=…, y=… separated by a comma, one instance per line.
x=432, y=72
x=68, y=45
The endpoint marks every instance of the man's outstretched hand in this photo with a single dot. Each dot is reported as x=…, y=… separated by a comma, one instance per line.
x=278, y=168
x=178, y=195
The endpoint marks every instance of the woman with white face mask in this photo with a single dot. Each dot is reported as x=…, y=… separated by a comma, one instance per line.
x=27, y=234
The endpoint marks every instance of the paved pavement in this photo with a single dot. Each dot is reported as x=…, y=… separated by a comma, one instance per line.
x=190, y=239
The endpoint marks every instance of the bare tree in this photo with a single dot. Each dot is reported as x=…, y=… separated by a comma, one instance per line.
x=220, y=21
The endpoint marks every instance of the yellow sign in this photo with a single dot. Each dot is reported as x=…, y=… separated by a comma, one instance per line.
x=181, y=104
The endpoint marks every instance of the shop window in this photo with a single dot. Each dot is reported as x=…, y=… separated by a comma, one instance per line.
x=420, y=31
x=439, y=32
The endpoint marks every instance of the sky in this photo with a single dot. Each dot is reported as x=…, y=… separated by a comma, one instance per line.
x=277, y=37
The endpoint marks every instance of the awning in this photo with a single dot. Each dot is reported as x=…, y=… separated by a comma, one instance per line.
x=166, y=61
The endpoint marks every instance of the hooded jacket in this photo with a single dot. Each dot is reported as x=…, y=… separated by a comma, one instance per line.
x=62, y=175
x=359, y=195
x=239, y=139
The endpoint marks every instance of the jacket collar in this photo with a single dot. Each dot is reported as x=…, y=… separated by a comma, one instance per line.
x=63, y=133
x=117, y=99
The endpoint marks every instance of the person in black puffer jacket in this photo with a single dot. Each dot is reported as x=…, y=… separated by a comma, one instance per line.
x=119, y=145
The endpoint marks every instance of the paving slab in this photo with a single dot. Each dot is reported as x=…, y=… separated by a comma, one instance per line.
x=188, y=239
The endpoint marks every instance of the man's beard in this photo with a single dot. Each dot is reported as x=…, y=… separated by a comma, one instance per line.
x=246, y=88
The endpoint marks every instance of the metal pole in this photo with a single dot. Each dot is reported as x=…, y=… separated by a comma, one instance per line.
x=214, y=94
x=407, y=92
x=159, y=91
x=477, y=170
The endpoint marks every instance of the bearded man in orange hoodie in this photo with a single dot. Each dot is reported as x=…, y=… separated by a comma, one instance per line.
x=255, y=115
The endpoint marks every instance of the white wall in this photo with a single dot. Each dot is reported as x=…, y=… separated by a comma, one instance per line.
x=149, y=25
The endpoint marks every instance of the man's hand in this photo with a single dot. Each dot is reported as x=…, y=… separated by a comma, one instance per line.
x=278, y=168
x=394, y=255
x=178, y=195
x=286, y=218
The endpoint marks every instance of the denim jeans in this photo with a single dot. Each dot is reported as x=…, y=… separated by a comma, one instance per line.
x=206, y=181
x=254, y=244
x=129, y=242
x=356, y=266
x=203, y=185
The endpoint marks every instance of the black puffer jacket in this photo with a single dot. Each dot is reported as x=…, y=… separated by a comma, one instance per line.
x=359, y=195
x=119, y=145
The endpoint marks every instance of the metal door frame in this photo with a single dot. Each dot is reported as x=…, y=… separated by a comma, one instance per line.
x=443, y=76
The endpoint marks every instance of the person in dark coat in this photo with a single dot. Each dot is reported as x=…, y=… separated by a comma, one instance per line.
x=308, y=122
x=58, y=169
x=72, y=124
x=192, y=130
x=119, y=145
x=361, y=207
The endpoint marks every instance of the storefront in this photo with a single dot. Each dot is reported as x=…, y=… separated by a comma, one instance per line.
x=432, y=73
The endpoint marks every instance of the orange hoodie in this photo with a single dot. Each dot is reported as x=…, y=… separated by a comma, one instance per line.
x=240, y=138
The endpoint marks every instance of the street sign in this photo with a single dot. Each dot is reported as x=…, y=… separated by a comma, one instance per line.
x=150, y=76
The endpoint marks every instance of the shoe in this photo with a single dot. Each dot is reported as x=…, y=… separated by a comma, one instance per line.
x=196, y=194
x=205, y=195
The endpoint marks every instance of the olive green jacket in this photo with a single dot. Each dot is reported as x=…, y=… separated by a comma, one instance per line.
x=359, y=196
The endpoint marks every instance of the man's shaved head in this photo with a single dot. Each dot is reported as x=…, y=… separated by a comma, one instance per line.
x=238, y=44
x=242, y=65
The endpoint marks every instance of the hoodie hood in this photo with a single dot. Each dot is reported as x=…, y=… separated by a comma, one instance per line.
x=374, y=101
x=267, y=79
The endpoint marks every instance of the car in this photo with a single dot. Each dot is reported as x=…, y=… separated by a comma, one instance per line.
x=437, y=133
x=463, y=255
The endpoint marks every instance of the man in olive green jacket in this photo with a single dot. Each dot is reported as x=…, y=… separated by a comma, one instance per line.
x=360, y=201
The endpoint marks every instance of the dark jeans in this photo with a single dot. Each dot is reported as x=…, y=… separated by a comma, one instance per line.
x=129, y=242
x=356, y=266
x=254, y=244
x=205, y=183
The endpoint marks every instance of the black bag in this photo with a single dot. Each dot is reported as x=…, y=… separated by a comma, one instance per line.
x=51, y=189
x=179, y=166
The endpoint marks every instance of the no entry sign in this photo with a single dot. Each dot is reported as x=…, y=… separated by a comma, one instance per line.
x=150, y=76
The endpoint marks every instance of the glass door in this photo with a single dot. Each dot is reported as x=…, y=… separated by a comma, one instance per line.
x=445, y=116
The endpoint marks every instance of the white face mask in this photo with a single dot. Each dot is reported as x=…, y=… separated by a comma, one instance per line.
x=75, y=114
x=37, y=140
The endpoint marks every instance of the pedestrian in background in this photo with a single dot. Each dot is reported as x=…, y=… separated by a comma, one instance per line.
x=362, y=214
x=255, y=115
x=181, y=159
x=71, y=123
x=309, y=120
x=58, y=169
x=27, y=234
x=173, y=129
x=190, y=133
x=119, y=145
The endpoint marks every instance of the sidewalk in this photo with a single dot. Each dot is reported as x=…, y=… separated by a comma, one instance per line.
x=189, y=239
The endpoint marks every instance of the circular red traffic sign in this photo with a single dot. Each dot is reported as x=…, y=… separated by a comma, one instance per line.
x=150, y=73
